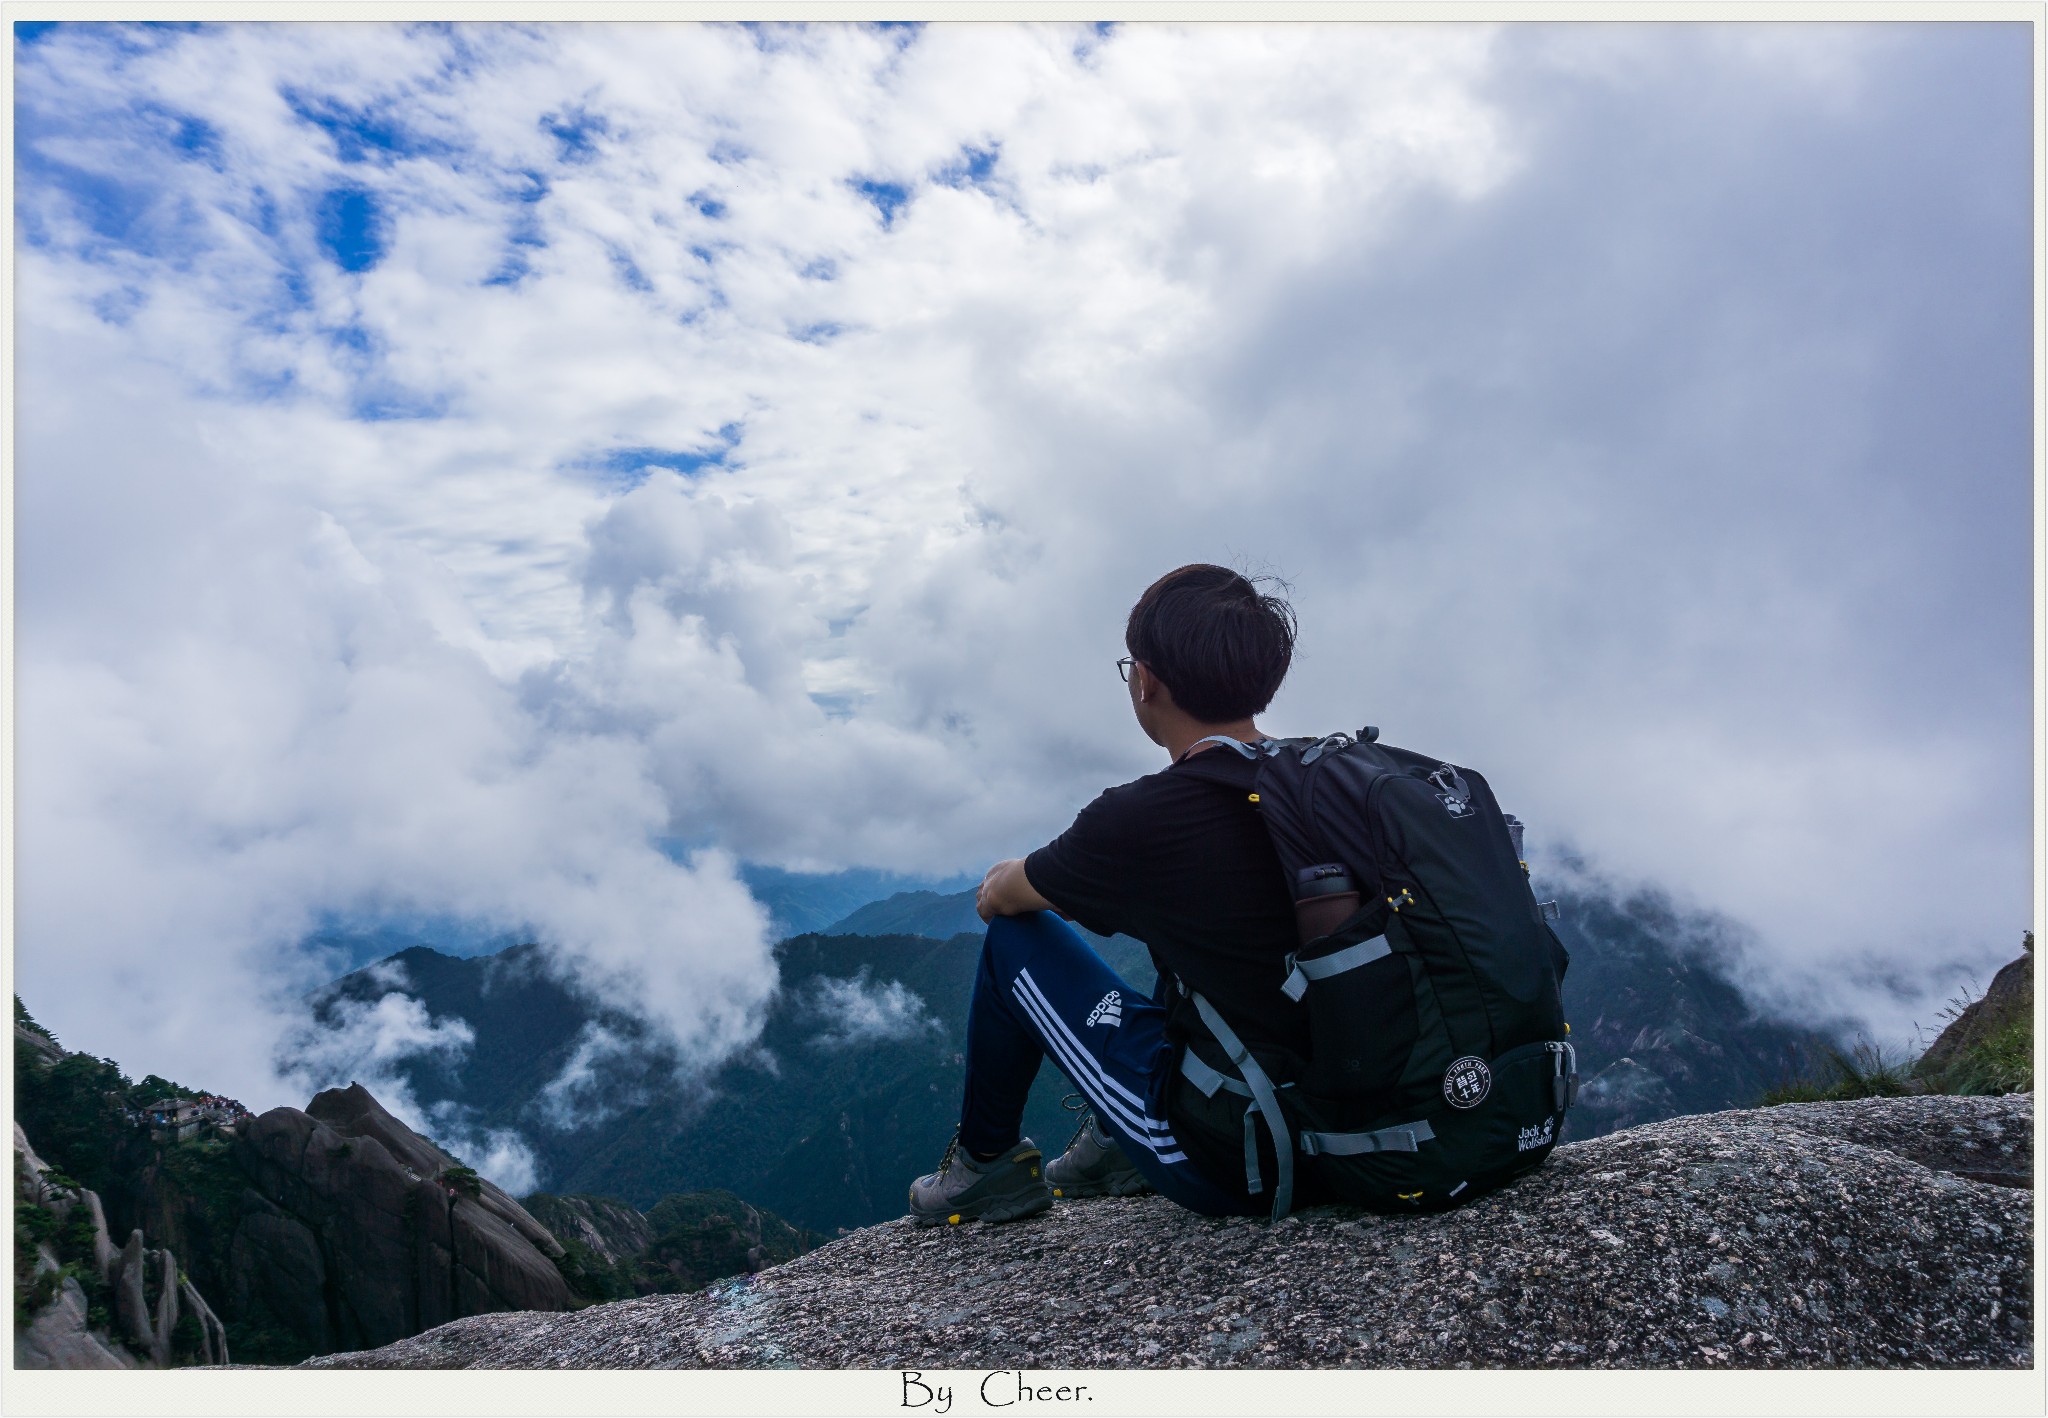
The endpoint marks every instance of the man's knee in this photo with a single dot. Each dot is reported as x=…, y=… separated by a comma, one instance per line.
x=1013, y=940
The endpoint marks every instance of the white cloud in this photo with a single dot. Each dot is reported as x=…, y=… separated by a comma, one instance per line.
x=499, y=1154
x=1658, y=444
x=855, y=1011
x=604, y=1073
x=364, y=1040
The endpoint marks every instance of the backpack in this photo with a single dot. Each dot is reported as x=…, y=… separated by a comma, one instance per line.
x=1440, y=1066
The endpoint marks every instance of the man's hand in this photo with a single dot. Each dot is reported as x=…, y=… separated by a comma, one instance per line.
x=1006, y=891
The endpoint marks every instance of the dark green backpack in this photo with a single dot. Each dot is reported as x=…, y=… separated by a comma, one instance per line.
x=1439, y=1065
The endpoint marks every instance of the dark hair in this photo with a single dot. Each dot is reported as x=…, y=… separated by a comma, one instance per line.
x=1220, y=646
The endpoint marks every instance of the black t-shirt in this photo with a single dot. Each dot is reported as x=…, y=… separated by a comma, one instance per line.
x=1180, y=860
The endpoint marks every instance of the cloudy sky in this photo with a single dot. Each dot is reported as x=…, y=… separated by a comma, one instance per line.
x=515, y=474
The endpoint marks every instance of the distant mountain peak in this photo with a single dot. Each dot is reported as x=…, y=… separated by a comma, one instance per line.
x=926, y=913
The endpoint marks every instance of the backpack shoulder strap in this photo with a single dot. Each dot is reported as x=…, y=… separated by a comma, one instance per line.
x=1238, y=746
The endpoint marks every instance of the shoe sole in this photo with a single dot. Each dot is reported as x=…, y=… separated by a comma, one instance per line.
x=1119, y=1184
x=993, y=1211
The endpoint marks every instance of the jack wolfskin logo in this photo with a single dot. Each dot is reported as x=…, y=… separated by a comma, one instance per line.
x=1109, y=1010
x=1529, y=1139
x=1467, y=1082
x=1455, y=805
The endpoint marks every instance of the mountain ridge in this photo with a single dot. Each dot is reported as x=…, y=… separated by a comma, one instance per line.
x=853, y=1084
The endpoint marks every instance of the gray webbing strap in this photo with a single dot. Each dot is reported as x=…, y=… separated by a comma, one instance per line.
x=1228, y=742
x=1208, y=1079
x=1564, y=1085
x=1252, y=1181
x=1263, y=1100
x=1300, y=972
x=1408, y=1137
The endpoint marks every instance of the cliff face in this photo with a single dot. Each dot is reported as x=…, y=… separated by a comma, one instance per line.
x=1830, y=1234
x=354, y=1231
x=335, y=1227
x=109, y=1308
x=610, y=1230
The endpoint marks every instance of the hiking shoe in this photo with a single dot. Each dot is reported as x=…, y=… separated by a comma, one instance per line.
x=1094, y=1165
x=1004, y=1188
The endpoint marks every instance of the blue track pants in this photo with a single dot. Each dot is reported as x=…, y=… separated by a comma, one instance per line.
x=1042, y=990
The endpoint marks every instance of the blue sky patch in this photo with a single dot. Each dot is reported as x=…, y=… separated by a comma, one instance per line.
x=358, y=351
x=576, y=133
x=628, y=270
x=1093, y=39
x=516, y=265
x=824, y=332
x=190, y=135
x=525, y=236
x=118, y=307
x=298, y=290
x=888, y=197
x=838, y=705
x=627, y=467
x=901, y=33
x=112, y=209
x=708, y=205
x=971, y=168
x=385, y=403
x=28, y=32
x=353, y=341
x=350, y=228
x=360, y=134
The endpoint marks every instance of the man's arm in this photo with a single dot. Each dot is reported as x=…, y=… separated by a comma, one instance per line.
x=1006, y=891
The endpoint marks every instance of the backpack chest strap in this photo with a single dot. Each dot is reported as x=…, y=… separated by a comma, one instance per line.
x=1408, y=1137
x=1300, y=972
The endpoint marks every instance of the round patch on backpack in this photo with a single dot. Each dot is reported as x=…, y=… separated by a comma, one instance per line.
x=1467, y=1082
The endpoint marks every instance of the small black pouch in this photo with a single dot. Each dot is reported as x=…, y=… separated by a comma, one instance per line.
x=1361, y=1009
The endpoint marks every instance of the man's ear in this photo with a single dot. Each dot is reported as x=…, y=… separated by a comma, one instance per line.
x=1150, y=687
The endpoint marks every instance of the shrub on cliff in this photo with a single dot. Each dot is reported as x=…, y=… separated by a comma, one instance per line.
x=25, y=1020
x=1985, y=1048
x=1862, y=1071
x=1988, y=1044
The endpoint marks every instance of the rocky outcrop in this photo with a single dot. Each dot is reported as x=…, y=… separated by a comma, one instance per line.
x=613, y=1231
x=681, y=1243
x=150, y=1295
x=355, y=1231
x=1812, y=1235
x=1966, y=1053
x=708, y=1235
x=61, y=1337
x=148, y=1292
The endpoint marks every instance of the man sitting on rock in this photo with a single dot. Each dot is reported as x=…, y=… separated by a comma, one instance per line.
x=1180, y=862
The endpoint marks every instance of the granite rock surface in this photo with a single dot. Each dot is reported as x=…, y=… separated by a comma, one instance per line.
x=1811, y=1235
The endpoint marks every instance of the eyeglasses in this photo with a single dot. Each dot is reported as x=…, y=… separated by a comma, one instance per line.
x=1123, y=668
